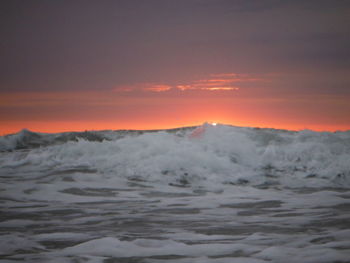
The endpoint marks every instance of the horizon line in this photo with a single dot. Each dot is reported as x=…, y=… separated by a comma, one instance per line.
x=172, y=128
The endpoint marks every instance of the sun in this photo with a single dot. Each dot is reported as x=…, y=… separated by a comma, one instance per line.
x=213, y=123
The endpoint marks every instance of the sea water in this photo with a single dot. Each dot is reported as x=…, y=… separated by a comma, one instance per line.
x=231, y=194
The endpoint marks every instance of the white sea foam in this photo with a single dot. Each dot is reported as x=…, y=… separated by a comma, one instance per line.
x=223, y=155
x=109, y=246
x=228, y=194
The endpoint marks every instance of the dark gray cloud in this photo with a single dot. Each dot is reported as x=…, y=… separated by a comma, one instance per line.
x=64, y=45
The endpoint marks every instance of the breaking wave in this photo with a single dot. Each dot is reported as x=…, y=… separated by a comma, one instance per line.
x=221, y=155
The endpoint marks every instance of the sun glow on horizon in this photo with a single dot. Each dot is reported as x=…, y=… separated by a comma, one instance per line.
x=234, y=99
x=70, y=126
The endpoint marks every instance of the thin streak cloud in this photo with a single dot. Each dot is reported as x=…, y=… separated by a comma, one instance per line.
x=214, y=82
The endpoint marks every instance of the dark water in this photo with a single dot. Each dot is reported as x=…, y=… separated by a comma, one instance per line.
x=143, y=224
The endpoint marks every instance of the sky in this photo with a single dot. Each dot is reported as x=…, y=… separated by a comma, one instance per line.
x=154, y=64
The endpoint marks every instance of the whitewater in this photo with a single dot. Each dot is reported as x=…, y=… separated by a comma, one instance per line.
x=228, y=194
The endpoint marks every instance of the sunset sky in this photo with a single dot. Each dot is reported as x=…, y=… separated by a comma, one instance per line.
x=149, y=64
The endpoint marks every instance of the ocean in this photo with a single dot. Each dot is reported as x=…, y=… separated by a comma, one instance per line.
x=228, y=194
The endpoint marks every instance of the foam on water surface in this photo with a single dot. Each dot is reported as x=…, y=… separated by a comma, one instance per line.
x=229, y=194
x=222, y=155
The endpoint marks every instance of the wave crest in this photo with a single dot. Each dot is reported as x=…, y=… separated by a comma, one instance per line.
x=223, y=155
